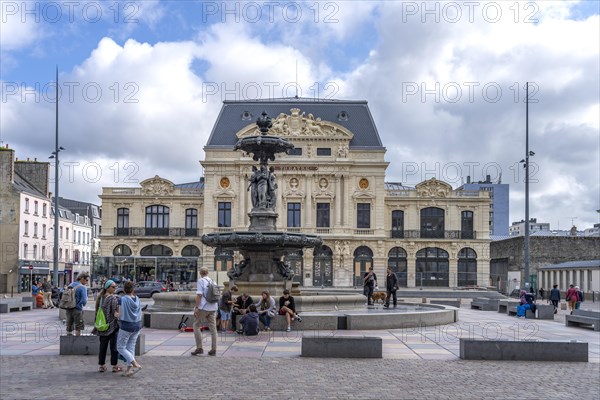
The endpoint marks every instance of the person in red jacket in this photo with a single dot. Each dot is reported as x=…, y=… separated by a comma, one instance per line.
x=572, y=297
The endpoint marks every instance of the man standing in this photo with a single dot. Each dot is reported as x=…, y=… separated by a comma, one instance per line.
x=555, y=297
x=240, y=307
x=391, y=286
x=370, y=281
x=75, y=315
x=47, y=288
x=204, y=311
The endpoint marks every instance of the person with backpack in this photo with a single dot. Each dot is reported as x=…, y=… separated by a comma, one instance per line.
x=73, y=300
x=109, y=302
x=205, y=310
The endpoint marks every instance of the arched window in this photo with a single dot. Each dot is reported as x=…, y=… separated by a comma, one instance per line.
x=397, y=262
x=432, y=267
x=157, y=220
x=296, y=262
x=190, y=251
x=323, y=266
x=363, y=260
x=466, y=225
x=156, y=250
x=467, y=267
x=432, y=223
x=223, y=259
x=121, y=250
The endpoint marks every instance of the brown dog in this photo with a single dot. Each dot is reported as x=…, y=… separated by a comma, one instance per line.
x=379, y=296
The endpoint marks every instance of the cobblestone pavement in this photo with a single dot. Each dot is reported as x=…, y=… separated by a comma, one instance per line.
x=418, y=364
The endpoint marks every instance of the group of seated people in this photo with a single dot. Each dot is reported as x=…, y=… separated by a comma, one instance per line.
x=264, y=310
x=526, y=302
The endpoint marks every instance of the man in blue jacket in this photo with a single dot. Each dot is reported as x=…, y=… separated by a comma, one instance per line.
x=75, y=315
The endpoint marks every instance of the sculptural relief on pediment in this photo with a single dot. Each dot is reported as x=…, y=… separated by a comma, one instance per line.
x=157, y=186
x=299, y=125
x=433, y=188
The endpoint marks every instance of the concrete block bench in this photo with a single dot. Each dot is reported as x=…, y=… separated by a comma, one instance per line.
x=508, y=350
x=8, y=306
x=584, y=318
x=89, y=345
x=342, y=347
x=447, y=302
x=89, y=315
x=485, y=304
x=504, y=305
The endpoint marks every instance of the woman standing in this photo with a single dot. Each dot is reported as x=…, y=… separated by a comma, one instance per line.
x=109, y=302
x=266, y=309
x=130, y=316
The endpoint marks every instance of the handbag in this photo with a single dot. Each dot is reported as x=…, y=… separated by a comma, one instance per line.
x=100, y=323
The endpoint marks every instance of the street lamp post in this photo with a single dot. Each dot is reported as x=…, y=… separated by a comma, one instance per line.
x=526, y=161
x=54, y=155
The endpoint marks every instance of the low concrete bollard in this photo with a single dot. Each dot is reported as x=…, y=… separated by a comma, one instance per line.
x=342, y=347
x=507, y=350
x=89, y=345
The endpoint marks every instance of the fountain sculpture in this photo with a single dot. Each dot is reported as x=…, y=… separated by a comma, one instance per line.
x=262, y=246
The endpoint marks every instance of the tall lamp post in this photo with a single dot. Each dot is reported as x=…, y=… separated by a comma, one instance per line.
x=54, y=155
x=528, y=154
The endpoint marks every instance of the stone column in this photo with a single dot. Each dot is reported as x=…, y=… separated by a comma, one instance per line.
x=307, y=220
x=453, y=273
x=411, y=265
x=338, y=202
x=345, y=200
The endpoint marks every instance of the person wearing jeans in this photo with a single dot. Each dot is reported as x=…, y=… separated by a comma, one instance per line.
x=130, y=316
x=109, y=302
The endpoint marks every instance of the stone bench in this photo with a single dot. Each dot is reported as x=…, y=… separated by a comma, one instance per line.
x=584, y=318
x=6, y=307
x=342, y=347
x=504, y=305
x=484, y=304
x=543, y=311
x=447, y=302
x=89, y=345
x=89, y=315
x=508, y=350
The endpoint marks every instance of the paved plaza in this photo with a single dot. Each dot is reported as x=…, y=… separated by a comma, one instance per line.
x=417, y=363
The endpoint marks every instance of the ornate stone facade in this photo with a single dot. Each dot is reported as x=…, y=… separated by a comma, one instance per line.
x=333, y=185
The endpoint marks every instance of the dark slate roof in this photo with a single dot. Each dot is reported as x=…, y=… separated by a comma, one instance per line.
x=191, y=185
x=23, y=185
x=359, y=121
x=574, y=265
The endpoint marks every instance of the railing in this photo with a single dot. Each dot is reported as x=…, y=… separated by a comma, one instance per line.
x=422, y=234
x=364, y=232
x=178, y=232
x=293, y=230
x=323, y=231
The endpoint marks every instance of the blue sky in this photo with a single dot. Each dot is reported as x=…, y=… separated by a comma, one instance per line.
x=154, y=63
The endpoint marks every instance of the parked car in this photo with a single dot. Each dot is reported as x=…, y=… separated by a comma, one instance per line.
x=145, y=288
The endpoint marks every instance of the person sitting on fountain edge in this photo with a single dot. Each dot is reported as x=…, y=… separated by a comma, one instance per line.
x=287, y=307
x=240, y=307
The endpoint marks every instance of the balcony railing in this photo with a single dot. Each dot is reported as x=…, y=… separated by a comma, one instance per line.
x=323, y=231
x=364, y=232
x=423, y=234
x=173, y=232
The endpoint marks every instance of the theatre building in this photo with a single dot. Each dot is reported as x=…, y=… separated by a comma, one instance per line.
x=332, y=184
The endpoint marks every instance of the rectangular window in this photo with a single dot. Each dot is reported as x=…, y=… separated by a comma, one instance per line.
x=44, y=210
x=323, y=151
x=43, y=252
x=44, y=231
x=397, y=224
x=26, y=205
x=466, y=225
x=35, y=229
x=363, y=216
x=296, y=151
x=67, y=234
x=25, y=250
x=122, y=221
x=323, y=215
x=224, y=215
x=74, y=236
x=60, y=231
x=293, y=215
x=35, y=207
x=191, y=222
x=26, y=228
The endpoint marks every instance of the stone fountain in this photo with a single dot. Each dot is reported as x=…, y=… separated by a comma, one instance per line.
x=262, y=246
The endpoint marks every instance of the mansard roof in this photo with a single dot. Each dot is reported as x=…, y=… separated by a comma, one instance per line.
x=353, y=115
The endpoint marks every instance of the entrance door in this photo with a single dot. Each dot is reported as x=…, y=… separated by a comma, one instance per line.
x=323, y=267
x=363, y=260
x=295, y=261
